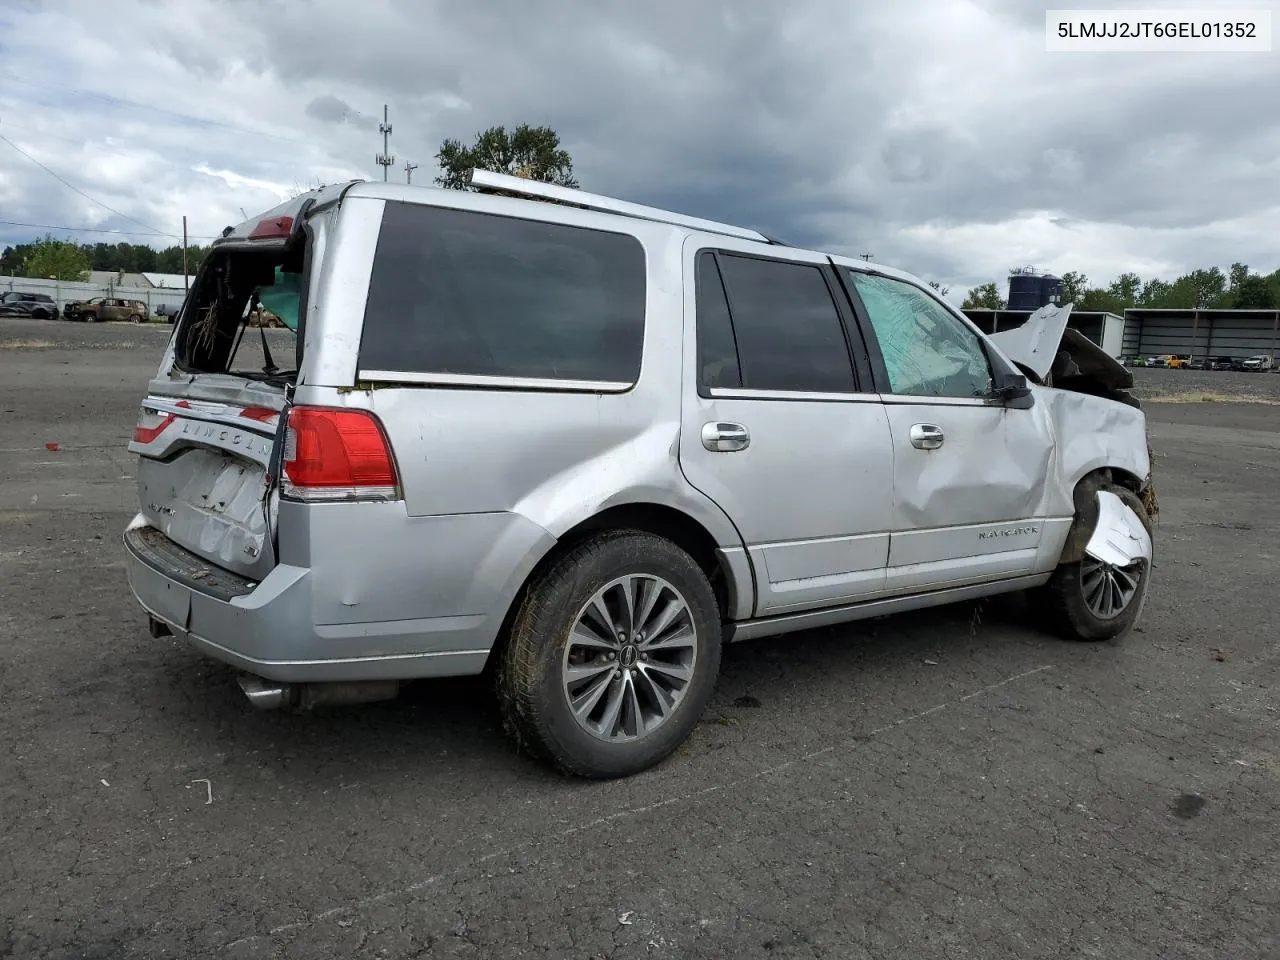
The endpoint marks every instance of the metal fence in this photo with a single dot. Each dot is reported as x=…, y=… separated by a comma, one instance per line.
x=64, y=291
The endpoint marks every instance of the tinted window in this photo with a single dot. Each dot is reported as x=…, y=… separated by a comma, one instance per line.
x=788, y=331
x=927, y=351
x=454, y=292
x=717, y=352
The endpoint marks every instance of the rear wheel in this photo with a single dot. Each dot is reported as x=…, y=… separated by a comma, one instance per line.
x=612, y=656
x=1092, y=600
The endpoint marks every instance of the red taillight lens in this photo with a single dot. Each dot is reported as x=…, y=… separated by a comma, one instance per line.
x=334, y=454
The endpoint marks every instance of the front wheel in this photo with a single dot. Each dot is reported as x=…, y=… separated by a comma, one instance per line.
x=1090, y=599
x=135, y=318
x=612, y=656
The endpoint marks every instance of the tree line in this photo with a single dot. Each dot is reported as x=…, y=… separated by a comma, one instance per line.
x=68, y=260
x=1210, y=288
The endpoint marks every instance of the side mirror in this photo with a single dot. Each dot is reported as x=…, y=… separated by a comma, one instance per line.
x=1011, y=389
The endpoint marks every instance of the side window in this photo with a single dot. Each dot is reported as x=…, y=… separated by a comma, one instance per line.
x=787, y=328
x=927, y=351
x=455, y=292
x=717, y=352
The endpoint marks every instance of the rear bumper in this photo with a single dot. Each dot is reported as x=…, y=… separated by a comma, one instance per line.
x=269, y=628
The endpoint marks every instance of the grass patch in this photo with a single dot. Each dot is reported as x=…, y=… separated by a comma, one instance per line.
x=1210, y=396
x=25, y=344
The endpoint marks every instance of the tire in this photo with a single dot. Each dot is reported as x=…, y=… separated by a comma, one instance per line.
x=533, y=683
x=89, y=317
x=134, y=318
x=1064, y=600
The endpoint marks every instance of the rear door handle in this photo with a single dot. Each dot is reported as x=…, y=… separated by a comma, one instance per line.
x=721, y=437
x=925, y=436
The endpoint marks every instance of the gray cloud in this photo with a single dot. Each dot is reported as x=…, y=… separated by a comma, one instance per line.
x=937, y=133
x=331, y=109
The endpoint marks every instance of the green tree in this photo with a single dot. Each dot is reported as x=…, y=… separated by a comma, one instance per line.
x=1154, y=293
x=531, y=152
x=1098, y=299
x=1126, y=289
x=59, y=259
x=1074, y=284
x=1236, y=276
x=1253, y=292
x=985, y=296
x=1210, y=287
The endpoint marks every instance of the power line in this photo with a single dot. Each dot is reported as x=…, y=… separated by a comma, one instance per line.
x=122, y=233
x=76, y=189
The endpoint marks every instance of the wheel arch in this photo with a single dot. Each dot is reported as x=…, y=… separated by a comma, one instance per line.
x=728, y=569
x=1084, y=496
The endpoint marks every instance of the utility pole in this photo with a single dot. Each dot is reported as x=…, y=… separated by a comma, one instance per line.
x=408, y=171
x=866, y=256
x=186, y=284
x=385, y=159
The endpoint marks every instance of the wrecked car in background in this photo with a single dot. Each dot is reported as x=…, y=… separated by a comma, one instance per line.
x=586, y=442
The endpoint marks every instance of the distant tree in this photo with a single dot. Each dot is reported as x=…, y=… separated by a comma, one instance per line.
x=1098, y=299
x=531, y=152
x=1154, y=293
x=1073, y=287
x=1253, y=292
x=1236, y=276
x=1126, y=289
x=985, y=296
x=59, y=259
x=941, y=290
x=1210, y=287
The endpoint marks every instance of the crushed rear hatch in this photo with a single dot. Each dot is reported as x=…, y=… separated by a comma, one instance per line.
x=209, y=430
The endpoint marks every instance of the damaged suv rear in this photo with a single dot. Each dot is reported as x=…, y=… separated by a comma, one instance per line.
x=586, y=442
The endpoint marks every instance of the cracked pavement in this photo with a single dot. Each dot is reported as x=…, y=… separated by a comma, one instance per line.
x=949, y=784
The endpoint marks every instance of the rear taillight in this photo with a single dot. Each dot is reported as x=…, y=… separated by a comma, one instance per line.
x=151, y=423
x=335, y=454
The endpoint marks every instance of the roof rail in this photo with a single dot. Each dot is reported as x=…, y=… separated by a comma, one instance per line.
x=489, y=182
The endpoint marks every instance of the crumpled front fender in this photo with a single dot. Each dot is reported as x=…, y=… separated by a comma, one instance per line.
x=1119, y=536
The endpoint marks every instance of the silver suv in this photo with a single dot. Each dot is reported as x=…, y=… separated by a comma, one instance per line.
x=584, y=443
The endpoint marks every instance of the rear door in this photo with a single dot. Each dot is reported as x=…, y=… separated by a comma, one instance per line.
x=777, y=428
x=969, y=472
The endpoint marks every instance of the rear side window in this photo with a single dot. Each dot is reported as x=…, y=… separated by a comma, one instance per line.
x=471, y=294
x=785, y=326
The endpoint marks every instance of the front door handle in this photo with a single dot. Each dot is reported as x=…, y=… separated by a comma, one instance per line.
x=721, y=437
x=925, y=436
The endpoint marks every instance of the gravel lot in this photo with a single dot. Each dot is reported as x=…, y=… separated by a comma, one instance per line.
x=950, y=784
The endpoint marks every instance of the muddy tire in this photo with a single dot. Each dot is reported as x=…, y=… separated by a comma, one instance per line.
x=1089, y=600
x=135, y=318
x=612, y=656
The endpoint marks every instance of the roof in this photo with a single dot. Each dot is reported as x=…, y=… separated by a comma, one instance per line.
x=174, y=281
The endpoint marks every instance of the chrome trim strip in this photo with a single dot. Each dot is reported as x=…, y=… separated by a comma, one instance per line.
x=493, y=382
x=735, y=393
x=831, y=616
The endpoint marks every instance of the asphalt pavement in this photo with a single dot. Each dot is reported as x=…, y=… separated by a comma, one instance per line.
x=950, y=784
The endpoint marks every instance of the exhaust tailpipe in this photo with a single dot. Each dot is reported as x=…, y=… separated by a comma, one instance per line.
x=264, y=694
x=272, y=695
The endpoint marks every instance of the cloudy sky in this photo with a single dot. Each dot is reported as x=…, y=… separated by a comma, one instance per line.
x=937, y=134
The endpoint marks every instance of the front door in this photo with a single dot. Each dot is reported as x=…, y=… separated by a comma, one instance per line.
x=969, y=472
x=779, y=429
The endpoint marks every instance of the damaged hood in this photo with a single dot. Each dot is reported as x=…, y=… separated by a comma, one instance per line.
x=1041, y=341
x=1034, y=345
